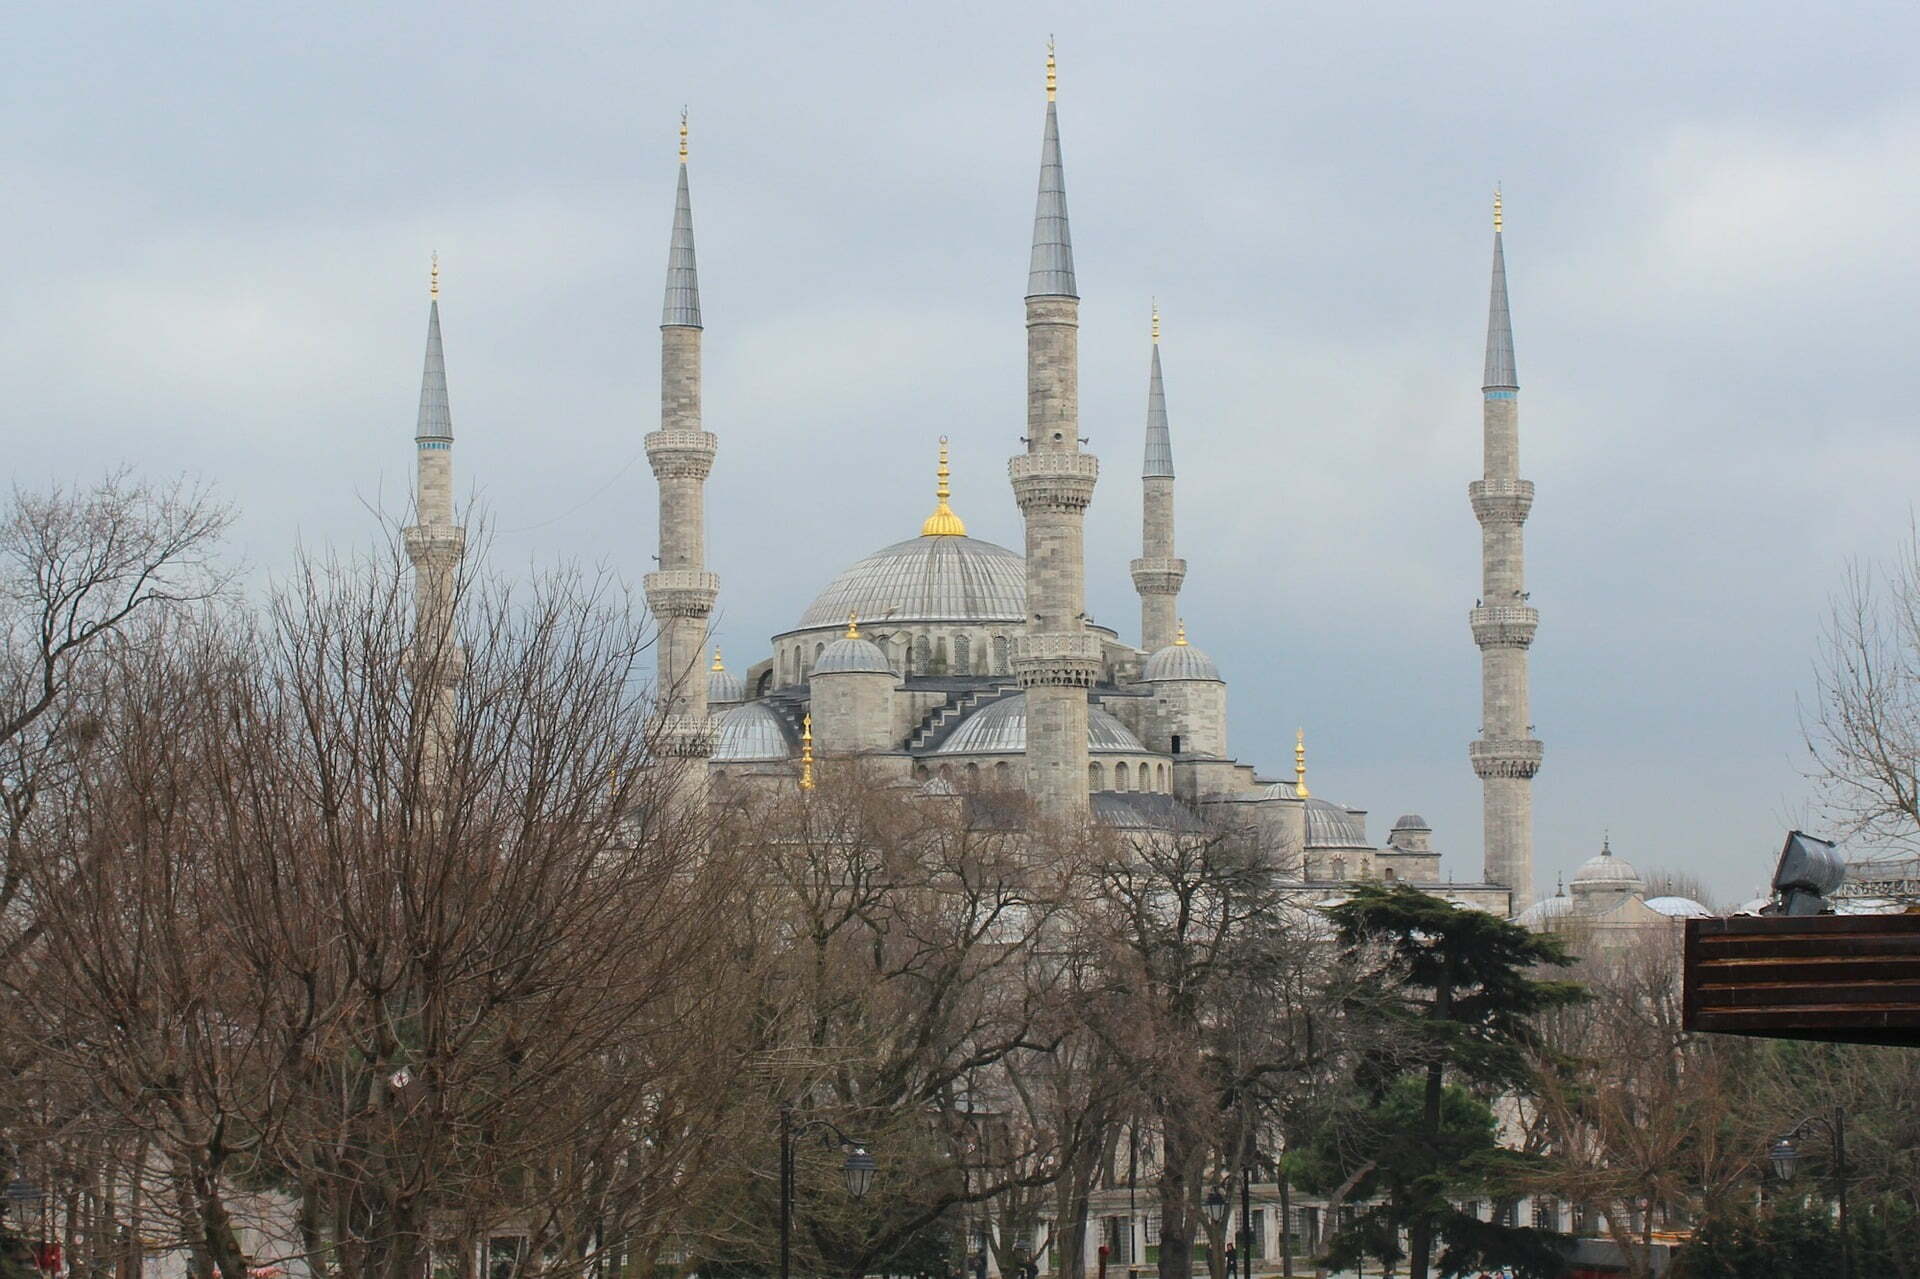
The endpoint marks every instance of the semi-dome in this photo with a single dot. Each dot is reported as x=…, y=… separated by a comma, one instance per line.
x=1179, y=660
x=1001, y=728
x=934, y=578
x=1606, y=873
x=852, y=655
x=1331, y=826
x=749, y=734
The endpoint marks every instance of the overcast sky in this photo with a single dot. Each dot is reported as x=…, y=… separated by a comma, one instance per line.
x=217, y=221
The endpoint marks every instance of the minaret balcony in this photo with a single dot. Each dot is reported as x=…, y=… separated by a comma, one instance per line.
x=681, y=737
x=1059, y=659
x=1053, y=481
x=681, y=454
x=681, y=593
x=1506, y=757
x=434, y=545
x=1158, y=574
x=1504, y=625
x=1501, y=501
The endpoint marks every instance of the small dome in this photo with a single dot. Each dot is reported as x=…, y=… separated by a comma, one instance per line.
x=1001, y=728
x=724, y=686
x=1546, y=909
x=851, y=655
x=1411, y=821
x=1606, y=873
x=753, y=733
x=1180, y=661
x=1679, y=907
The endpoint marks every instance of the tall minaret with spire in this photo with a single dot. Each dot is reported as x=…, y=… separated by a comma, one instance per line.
x=1157, y=574
x=434, y=544
x=1053, y=481
x=1506, y=755
x=681, y=592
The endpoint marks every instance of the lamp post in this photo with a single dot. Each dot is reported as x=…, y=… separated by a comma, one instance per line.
x=858, y=1172
x=1246, y=1218
x=1785, y=1158
x=1214, y=1209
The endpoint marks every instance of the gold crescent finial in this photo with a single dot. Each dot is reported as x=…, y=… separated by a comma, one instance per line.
x=1496, y=208
x=1300, y=765
x=1180, y=634
x=1053, y=79
x=1156, y=322
x=943, y=522
x=806, y=753
x=853, y=626
x=718, y=665
x=683, y=135
x=433, y=276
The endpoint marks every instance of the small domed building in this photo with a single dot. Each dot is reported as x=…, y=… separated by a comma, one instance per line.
x=1606, y=900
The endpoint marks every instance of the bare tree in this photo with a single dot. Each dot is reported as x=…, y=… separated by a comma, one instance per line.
x=1864, y=729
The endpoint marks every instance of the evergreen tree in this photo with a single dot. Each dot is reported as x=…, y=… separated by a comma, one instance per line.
x=1451, y=992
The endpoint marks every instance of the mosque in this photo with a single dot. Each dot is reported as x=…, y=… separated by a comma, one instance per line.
x=949, y=666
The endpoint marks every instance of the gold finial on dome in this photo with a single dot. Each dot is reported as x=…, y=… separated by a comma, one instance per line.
x=806, y=753
x=1053, y=79
x=683, y=135
x=1300, y=765
x=853, y=626
x=1180, y=634
x=943, y=522
x=1496, y=209
x=718, y=665
x=433, y=277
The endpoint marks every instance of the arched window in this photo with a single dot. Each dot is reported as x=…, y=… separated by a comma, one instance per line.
x=817, y=650
x=1390, y=875
x=1339, y=868
x=920, y=772
x=1002, y=658
x=1094, y=779
x=1160, y=772
x=973, y=776
x=1120, y=776
x=923, y=656
x=946, y=772
x=1002, y=775
x=962, y=655
x=765, y=685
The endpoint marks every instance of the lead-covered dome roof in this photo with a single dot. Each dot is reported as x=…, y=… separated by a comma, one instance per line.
x=753, y=733
x=1606, y=872
x=1331, y=826
x=851, y=655
x=1001, y=728
x=1179, y=660
x=939, y=578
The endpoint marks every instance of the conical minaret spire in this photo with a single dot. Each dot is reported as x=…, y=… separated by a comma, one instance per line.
x=1053, y=481
x=681, y=593
x=434, y=544
x=1050, y=272
x=1506, y=756
x=1157, y=574
x=682, y=306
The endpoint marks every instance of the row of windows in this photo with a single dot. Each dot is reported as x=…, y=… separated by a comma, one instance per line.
x=913, y=655
x=1127, y=777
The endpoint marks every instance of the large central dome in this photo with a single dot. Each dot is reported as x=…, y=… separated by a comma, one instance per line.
x=939, y=578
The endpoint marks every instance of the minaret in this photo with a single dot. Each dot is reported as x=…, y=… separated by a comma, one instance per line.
x=435, y=544
x=1157, y=574
x=1053, y=483
x=1506, y=756
x=681, y=592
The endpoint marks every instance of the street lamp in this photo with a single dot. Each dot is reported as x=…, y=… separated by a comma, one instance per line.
x=1785, y=1159
x=857, y=1171
x=1215, y=1207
